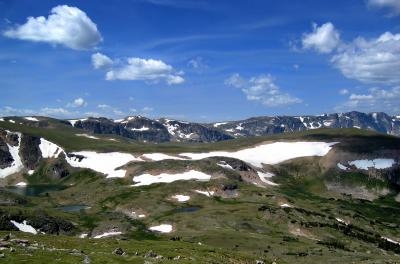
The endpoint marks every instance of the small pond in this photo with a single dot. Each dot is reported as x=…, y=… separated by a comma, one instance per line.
x=73, y=207
x=33, y=190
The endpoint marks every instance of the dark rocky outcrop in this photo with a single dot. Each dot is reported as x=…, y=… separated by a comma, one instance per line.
x=5, y=156
x=148, y=130
x=57, y=170
x=38, y=219
x=265, y=125
x=185, y=131
x=30, y=152
x=164, y=130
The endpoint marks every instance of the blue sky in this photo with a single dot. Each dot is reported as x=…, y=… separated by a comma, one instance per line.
x=198, y=60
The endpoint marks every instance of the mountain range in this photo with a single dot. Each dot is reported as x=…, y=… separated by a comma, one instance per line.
x=167, y=130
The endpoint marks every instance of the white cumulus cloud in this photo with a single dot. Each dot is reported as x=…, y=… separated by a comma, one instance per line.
x=376, y=99
x=392, y=5
x=78, y=102
x=371, y=61
x=66, y=25
x=55, y=111
x=323, y=39
x=100, y=60
x=262, y=89
x=138, y=69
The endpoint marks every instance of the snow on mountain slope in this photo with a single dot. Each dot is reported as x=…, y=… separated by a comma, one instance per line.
x=49, y=149
x=16, y=165
x=106, y=163
x=73, y=121
x=266, y=125
x=160, y=156
x=265, y=176
x=272, y=153
x=30, y=118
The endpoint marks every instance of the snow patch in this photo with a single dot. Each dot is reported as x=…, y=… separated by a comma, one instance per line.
x=30, y=172
x=171, y=128
x=181, y=198
x=225, y=165
x=376, y=163
x=219, y=124
x=270, y=153
x=206, y=193
x=16, y=165
x=24, y=227
x=391, y=240
x=313, y=126
x=341, y=221
x=105, y=163
x=342, y=167
x=164, y=228
x=160, y=156
x=30, y=118
x=136, y=215
x=73, y=121
x=285, y=205
x=147, y=179
x=11, y=121
x=21, y=184
x=140, y=129
x=108, y=234
x=239, y=127
x=84, y=235
x=87, y=136
x=49, y=149
x=1, y=119
x=263, y=177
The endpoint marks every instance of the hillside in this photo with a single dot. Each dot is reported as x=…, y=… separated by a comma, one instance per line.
x=322, y=195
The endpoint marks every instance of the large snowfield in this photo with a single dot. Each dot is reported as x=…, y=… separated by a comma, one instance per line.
x=106, y=163
x=272, y=153
x=109, y=163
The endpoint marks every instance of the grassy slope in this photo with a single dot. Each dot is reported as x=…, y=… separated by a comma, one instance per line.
x=249, y=227
x=61, y=250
